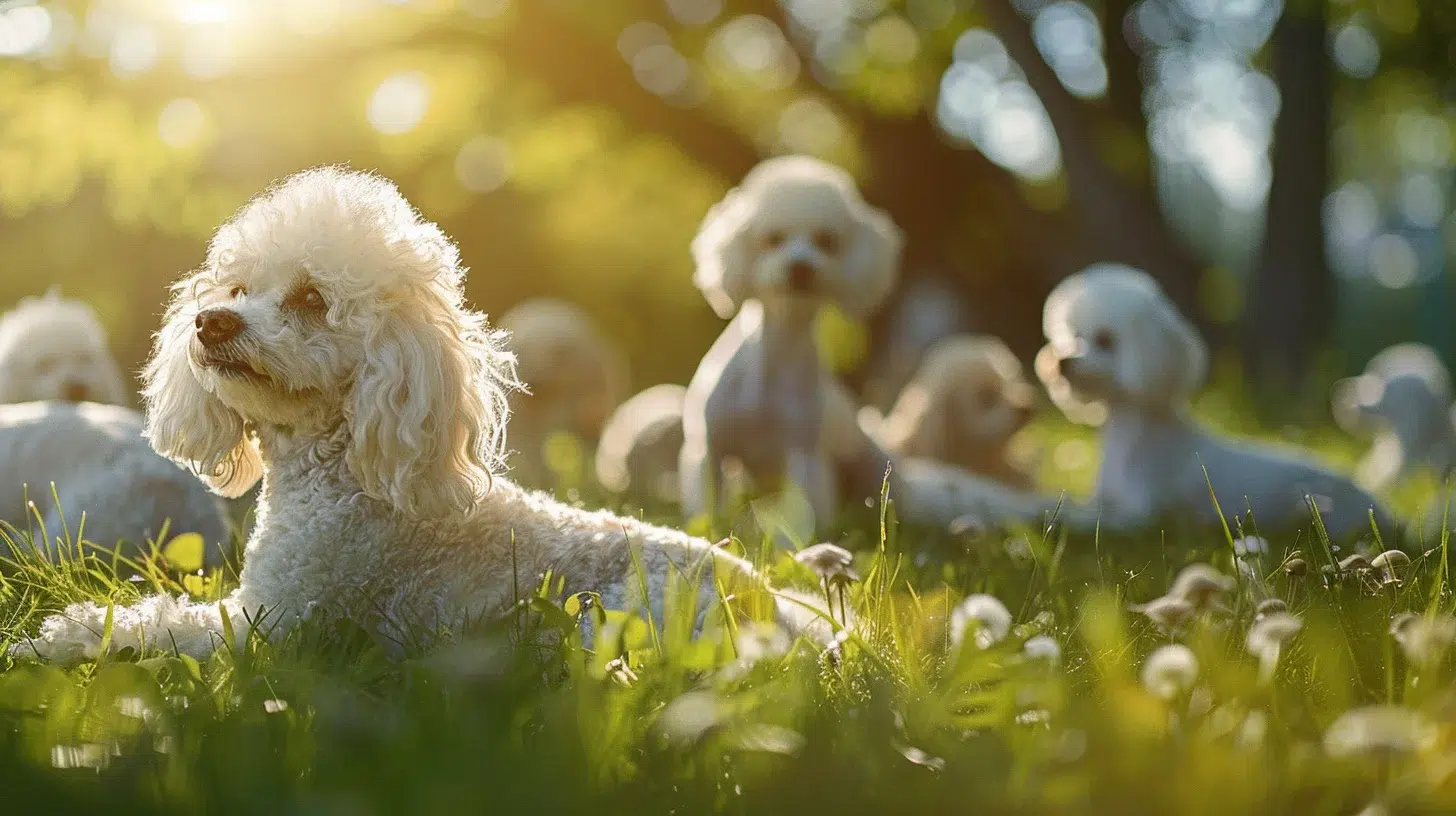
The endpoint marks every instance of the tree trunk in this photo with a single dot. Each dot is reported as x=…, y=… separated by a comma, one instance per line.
x=1292, y=292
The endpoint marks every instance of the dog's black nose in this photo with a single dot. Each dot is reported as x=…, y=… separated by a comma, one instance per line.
x=801, y=276
x=1065, y=365
x=75, y=392
x=218, y=326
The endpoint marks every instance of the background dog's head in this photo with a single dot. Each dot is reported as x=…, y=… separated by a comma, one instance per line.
x=329, y=300
x=1114, y=338
x=967, y=395
x=574, y=373
x=1405, y=388
x=53, y=348
x=796, y=227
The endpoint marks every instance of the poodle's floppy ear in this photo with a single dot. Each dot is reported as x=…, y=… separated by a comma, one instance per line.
x=872, y=259
x=1169, y=361
x=1076, y=407
x=185, y=421
x=428, y=410
x=721, y=252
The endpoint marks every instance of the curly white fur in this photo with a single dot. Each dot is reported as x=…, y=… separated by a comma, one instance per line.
x=966, y=401
x=640, y=443
x=104, y=470
x=793, y=236
x=1403, y=398
x=54, y=348
x=1118, y=347
x=573, y=374
x=325, y=346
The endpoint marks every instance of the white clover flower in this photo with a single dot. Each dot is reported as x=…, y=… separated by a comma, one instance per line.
x=1043, y=648
x=1170, y=671
x=830, y=562
x=1377, y=730
x=992, y=620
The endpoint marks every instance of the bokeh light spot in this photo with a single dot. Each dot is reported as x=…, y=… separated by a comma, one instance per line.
x=1393, y=261
x=24, y=30
x=695, y=12
x=892, y=40
x=810, y=126
x=483, y=164
x=1356, y=51
x=1422, y=200
x=134, y=50
x=399, y=103
x=180, y=123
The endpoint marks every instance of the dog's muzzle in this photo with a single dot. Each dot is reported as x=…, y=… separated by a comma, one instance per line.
x=218, y=326
x=75, y=392
x=1067, y=366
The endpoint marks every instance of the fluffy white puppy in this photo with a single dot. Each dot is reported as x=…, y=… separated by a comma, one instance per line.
x=639, y=447
x=325, y=347
x=101, y=467
x=573, y=375
x=1116, y=341
x=966, y=401
x=1403, y=398
x=54, y=348
x=794, y=236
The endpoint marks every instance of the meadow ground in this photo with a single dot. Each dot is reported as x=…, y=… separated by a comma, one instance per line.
x=1338, y=719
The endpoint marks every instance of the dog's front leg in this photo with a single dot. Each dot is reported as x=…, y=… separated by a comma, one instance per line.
x=810, y=472
x=700, y=480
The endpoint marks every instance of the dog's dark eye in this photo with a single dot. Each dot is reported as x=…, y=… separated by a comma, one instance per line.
x=775, y=239
x=237, y=292
x=1103, y=340
x=827, y=242
x=307, y=299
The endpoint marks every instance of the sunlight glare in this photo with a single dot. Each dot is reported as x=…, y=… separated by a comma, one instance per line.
x=204, y=12
x=399, y=103
x=24, y=30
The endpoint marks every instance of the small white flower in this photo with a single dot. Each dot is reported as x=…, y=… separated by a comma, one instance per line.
x=1168, y=613
x=1199, y=584
x=992, y=619
x=275, y=706
x=1267, y=638
x=1424, y=640
x=830, y=562
x=1170, y=671
x=1251, y=545
x=1377, y=730
x=1043, y=648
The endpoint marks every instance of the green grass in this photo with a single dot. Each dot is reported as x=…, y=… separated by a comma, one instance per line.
x=516, y=717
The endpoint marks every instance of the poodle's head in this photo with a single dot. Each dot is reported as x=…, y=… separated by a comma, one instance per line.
x=972, y=387
x=1405, y=388
x=54, y=348
x=575, y=374
x=329, y=301
x=1114, y=339
x=797, y=229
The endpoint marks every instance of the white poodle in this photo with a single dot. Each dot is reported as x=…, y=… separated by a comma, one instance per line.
x=639, y=447
x=794, y=236
x=54, y=348
x=966, y=401
x=1404, y=399
x=1117, y=342
x=101, y=467
x=325, y=347
x=574, y=376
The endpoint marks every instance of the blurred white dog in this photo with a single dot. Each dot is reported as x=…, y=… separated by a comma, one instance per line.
x=794, y=236
x=966, y=401
x=54, y=348
x=101, y=467
x=1116, y=341
x=573, y=374
x=325, y=347
x=640, y=444
x=1404, y=399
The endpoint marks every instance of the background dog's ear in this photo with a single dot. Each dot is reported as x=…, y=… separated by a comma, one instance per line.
x=872, y=260
x=1077, y=408
x=428, y=410
x=185, y=421
x=721, y=252
x=1170, y=361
